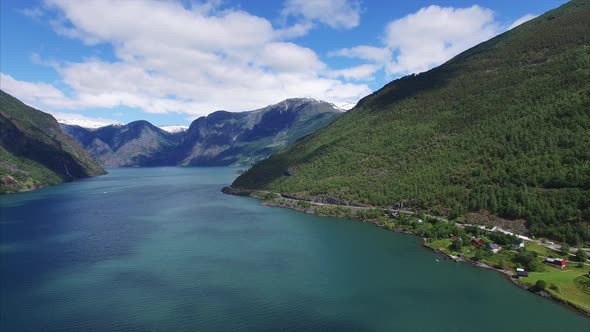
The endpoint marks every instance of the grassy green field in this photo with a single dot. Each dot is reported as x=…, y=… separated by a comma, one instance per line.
x=573, y=284
x=441, y=244
x=541, y=250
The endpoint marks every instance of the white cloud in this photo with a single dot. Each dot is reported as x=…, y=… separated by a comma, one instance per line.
x=521, y=20
x=34, y=13
x=370, y=53
x=296, y=30
x=428, y=38
x=434, y=34
x=199, y=57
x=343, y=14
x=189, y=59
x=280, y=56
x=160, y=21
x=36, y=94
x=362, y=72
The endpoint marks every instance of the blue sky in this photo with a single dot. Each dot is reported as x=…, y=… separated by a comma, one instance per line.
x=170, y=62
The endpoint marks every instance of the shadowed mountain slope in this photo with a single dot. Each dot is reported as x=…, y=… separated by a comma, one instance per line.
x=221, y=138
x=34, y=152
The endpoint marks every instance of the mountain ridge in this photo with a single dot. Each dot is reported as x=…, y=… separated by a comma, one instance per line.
x=220, y=138
x=501, y=127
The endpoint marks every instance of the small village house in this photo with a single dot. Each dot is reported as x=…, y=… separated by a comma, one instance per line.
x=556, y=262
x=494, y=247
x=521, y=273
x=517, y=245
x=478, y=242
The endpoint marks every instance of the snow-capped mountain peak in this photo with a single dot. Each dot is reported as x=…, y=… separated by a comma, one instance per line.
x=174, y=129
x=85, y=123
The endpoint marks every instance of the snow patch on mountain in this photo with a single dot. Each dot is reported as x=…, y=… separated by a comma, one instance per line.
x=85, y=123
x=344, y=106
x=174, y=129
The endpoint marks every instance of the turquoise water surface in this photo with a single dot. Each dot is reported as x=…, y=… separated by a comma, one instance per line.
x=162, y=249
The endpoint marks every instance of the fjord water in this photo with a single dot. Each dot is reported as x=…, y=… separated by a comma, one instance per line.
x=162, y=249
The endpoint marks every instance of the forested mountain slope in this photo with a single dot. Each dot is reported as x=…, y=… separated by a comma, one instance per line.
x=34, y=152
x=502, y=127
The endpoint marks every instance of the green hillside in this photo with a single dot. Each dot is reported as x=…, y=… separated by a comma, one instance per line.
x=34, y=152
x=502, y=127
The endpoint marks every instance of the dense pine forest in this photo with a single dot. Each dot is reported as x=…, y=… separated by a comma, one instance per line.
x=503, y=127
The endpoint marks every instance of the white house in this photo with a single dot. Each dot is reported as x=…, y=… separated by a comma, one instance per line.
x=516, y=245
x=494, y=247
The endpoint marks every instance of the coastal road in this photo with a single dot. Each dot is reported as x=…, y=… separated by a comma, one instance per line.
x=551, y=246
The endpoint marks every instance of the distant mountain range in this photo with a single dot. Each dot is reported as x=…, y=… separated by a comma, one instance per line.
x=34, y=152
x=221, y=138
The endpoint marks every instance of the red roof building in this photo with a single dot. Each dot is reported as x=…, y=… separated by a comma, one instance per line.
x=557, y=262
x=477, y=242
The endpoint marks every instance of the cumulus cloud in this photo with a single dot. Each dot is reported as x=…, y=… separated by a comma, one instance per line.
x=344, y=14
x=197, y=57
x=370, y=53
x=171, y=57
x=280, y=56
x=442, y=32
x=522, y=20
x=36, y=94
x=428, y=38
x=362, y=72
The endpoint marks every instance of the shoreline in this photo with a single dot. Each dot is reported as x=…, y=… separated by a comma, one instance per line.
x=507, y=274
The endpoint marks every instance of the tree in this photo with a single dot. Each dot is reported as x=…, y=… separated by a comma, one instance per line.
x=554, y=287
x=565, y=248
x=457, y=244
x=456, y=212
x=540, y=285
x=479, y=254
x=581, y=256
x=500, y=264
x=529, y=260
x=536, y=265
